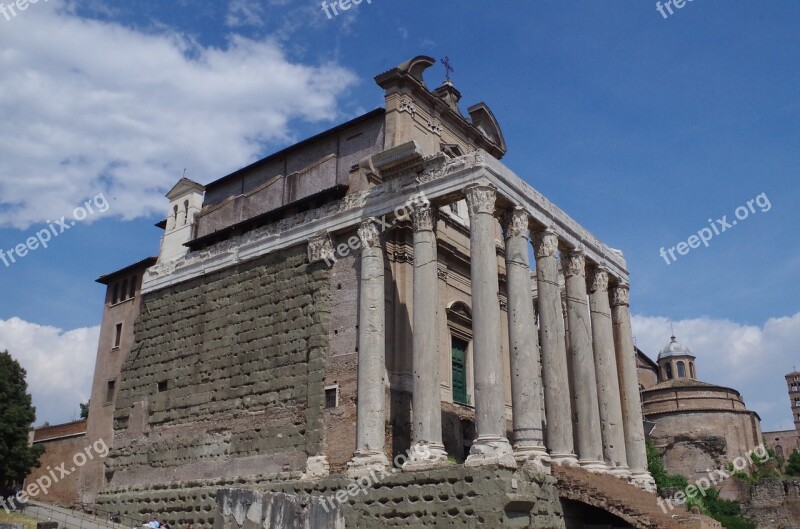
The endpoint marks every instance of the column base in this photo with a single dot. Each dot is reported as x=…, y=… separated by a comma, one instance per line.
x=643, y=480
x=566, y=459
x=317, y=467
x=595, y=467
x=535, y=457
x=622, y=472
x=425, y=456
x=364, y=463
x=495, y=451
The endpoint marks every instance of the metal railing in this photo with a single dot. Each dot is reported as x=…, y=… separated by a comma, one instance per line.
x=96, y=518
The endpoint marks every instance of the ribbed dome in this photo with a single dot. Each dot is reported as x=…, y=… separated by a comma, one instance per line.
x=673, y=348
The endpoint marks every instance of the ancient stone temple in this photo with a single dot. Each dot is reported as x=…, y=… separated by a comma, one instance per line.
x=352, y=332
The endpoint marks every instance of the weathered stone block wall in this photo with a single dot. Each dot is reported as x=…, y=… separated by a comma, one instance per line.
x=774, y=504
x=226, y=377
x=455, y=497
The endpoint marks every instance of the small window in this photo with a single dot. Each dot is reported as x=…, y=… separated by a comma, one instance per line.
x=681, y=370
x=454, y=207
x=132, y=289
x=110, y=391
x=691, y=370
x=117, y=335
x=163, y=386
x=123, y=294
x=668, y=371
x=115, y=295
x=331, y=397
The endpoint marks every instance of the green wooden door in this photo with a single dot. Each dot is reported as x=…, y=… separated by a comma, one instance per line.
x=460, y=371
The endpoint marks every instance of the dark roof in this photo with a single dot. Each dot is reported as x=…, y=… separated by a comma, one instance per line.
x=364, y=117
x=144, y=263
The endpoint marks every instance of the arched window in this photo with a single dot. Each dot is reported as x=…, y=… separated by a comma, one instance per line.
x=779, y=450
x=691, y=370
x=668, y=371
x=185, y=211
x=681, y=369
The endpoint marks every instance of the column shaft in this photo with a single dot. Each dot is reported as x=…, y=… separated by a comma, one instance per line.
x=427, y=447
x=629, y=388
x=584, y=381
x=558, y=410
x=491, y=446
x=605, y=361
x=523, y=346
x=370, y=433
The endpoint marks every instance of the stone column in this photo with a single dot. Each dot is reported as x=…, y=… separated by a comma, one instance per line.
x=629, y=388
x=581, y=358
x=371, y=426
x=554, y=353
x=491, y=446
x=427, y=449
x=605, y=362
x=523, y=347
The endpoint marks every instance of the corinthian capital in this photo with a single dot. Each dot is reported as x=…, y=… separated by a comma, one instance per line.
x=598, y=279
x=573, y=262
x=516, y=223
x=480, y=199
x=545, y=243
x=423, y=217
x=620, y=295
x=368, y=233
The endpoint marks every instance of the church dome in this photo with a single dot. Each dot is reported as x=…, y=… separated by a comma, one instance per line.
x=674, y=348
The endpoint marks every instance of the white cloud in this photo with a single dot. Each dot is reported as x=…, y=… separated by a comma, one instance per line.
x=751, y=359
x=60, y=365
x=244, y=13
x=91, y=106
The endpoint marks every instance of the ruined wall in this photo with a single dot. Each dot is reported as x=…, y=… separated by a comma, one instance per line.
x=226, y=376
x=692, y=442
x=454, y=498
x=774, y=504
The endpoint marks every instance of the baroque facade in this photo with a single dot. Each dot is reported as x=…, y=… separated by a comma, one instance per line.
x=362, y=305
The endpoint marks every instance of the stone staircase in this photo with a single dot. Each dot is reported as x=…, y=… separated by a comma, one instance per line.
x=632, y=504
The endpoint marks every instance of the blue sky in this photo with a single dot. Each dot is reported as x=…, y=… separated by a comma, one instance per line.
x=642, y=128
